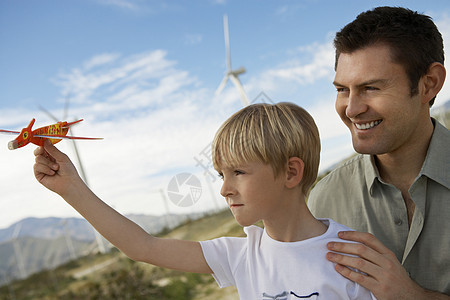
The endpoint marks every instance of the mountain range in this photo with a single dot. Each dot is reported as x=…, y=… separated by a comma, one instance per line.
x=34, y=244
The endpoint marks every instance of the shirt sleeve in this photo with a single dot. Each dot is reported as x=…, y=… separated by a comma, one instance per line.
x=223, y=256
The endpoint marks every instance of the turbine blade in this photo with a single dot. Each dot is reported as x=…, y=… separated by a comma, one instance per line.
x=222, y=85
x=48, y=113
x=227, y=42
x=240, y=88
x=66, y=107
x=16, y=232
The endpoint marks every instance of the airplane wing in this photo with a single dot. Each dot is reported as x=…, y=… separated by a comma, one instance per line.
x=57, y=137
x=9, y=131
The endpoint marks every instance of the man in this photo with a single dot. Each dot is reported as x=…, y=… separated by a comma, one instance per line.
x=389, y=69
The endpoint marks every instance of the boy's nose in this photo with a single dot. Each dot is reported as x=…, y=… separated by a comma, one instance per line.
x=226, y=190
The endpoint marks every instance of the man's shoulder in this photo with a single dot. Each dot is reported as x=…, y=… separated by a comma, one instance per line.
x=351, y=167
x=347, y=181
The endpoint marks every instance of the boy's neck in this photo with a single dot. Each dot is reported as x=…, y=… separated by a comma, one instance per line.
x=295, y=223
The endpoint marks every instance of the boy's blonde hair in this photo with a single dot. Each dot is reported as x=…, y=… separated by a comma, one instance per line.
x=270, y=134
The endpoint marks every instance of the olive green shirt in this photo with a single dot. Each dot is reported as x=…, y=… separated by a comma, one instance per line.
x=354, y=195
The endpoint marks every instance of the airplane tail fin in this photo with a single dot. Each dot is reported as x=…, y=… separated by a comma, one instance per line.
x=71, y=123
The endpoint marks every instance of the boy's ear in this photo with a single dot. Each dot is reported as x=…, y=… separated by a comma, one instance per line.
x=295, y=167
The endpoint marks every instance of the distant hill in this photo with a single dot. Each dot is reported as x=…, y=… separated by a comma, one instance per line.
x=442, y=113
x=42, y=243
x=80, y=229
x=49, y=228
x=35, y=254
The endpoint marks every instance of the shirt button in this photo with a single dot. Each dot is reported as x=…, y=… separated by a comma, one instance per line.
x=398, y=222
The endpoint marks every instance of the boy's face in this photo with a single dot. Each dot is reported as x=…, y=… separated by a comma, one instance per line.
x=252, y=192
x=374, y=101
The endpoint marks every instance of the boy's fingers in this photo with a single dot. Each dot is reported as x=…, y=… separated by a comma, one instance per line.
x=42, y=160
x=40, y=169
x=39, y=151
x=53, y=151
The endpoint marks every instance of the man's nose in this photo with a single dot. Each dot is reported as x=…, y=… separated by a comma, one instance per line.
x=356, y=105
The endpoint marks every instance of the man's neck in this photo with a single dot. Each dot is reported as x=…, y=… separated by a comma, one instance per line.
x=401, y=167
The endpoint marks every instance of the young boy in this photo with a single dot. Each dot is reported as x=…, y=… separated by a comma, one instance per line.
x=268, y=157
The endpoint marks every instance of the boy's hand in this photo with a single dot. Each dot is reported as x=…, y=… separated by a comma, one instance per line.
x=384, y=276
x=53, y=169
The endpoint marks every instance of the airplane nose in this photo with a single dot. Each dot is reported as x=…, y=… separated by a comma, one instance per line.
x=13, y=145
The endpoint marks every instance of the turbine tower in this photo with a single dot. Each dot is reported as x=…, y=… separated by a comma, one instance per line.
x=18, y=252
x=230, y=73
x=98, y=238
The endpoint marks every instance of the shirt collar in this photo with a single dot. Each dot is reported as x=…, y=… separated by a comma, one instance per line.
x=435, y=166
x=437, y=162
x=371, y=171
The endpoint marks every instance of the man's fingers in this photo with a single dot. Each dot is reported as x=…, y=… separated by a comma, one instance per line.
x=362, y=279
x=358, y=263
x=360, y=250
x=365, y=238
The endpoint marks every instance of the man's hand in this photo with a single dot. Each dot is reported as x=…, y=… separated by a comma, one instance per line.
x=382, y=273
x=54, y=170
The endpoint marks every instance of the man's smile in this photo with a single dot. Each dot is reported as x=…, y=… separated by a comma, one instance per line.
x=368, y=125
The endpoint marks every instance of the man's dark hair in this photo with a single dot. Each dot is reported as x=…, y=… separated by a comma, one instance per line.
x=413, y=38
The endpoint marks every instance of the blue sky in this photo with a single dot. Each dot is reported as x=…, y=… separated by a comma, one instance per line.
x=143, y=74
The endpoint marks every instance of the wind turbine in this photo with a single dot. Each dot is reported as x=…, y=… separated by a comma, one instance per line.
x=18, y=252
x=98, y=237
x=230, y=73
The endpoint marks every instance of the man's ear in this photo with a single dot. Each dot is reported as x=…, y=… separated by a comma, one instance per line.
x=433, y=81
x=295, y=168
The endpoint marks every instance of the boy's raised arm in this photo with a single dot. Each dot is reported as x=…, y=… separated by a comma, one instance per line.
x=54, y=170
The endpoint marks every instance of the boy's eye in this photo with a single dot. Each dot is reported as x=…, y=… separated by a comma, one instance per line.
x=220, y=175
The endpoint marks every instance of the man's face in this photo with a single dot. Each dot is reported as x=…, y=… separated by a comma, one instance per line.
x=374, y=101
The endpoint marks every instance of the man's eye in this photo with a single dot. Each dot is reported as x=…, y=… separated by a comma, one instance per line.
x=238, y=172
x=371, y=88
x=341, y=90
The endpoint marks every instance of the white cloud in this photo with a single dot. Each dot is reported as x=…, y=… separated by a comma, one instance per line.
x=304, y=67
x=101, y=59
x=95, y=84
x=125, y=4
x=193, y=39
x=305, y=73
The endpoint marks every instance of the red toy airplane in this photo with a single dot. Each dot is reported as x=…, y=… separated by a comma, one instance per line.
x=54, y=133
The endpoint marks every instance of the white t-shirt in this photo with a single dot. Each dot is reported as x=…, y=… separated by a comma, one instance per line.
x=263, y=268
